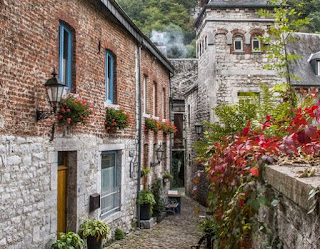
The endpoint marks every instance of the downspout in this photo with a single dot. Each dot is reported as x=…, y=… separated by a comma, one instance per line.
x=139, y=134
x=171, y=120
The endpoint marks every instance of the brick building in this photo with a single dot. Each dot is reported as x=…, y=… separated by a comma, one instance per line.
x=105, y=59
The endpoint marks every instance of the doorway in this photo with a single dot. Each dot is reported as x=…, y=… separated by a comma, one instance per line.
x=67, y=192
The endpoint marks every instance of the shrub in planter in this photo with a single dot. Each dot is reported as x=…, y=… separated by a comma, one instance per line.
x=119, y=234
x=167, y=175
x=146, y=202
x=152, y=125
x=95, y=231
x=116, y=119
x=156, y=190
x=145, y=172
x=68, y=240
x=167, y=127
x=74, y=110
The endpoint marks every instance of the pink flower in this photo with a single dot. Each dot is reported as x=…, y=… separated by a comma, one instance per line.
x=68, y=110
x=63, y=110
x=68, y=120
x=60, y=116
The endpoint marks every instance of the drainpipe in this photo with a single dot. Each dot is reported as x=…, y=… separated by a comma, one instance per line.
x=139, y=135
x=171, y=120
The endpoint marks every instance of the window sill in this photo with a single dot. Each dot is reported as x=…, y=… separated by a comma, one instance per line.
x=164, y=120
x=145, y=115
x=111, y=217
x=256, y=52
x=155, y=118
x=238, y=52
x=109, y=105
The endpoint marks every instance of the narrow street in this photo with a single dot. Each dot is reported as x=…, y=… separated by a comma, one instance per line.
x=179, y=231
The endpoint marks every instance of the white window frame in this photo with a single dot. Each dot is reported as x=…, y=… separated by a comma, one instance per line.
x=255, y=38
x=238, y=39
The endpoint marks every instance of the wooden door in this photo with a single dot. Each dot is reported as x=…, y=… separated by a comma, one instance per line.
x=62, y=199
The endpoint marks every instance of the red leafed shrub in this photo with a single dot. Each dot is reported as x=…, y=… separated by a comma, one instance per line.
x=237, y=163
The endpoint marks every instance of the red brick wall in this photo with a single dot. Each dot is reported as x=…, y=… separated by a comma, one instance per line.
x=29, y=51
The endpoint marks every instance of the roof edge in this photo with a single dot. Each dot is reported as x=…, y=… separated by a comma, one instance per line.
x=137, y=34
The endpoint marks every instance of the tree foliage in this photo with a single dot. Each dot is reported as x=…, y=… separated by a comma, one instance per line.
x=170, y=16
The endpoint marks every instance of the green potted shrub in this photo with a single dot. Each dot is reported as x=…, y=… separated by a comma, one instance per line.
x=145, y=172
x=146, y=202
x=167, y=176
x=68, y=240
x=95, y=231
x=158, y=207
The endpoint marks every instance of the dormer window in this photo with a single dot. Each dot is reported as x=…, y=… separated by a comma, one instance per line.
x=256, y=44
x=318, y=67
x=238, y=44
x=314, y=61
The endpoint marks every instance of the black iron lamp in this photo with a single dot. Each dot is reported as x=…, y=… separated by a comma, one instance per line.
x=54, y=90
x=199, y=128
x=159, y=154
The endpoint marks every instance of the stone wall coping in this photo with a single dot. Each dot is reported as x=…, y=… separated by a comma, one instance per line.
x=285, y=179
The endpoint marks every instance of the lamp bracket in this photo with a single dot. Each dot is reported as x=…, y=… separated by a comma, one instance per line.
x=154, y=164
x=40, y=115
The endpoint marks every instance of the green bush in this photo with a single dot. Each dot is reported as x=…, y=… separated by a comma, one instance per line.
x=94, y=228
x=156, y=190
x=119, y=234
x=68, y=240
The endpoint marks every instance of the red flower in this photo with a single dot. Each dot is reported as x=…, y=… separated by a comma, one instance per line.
x=254, y=171
x=241, y=202
x=68, y=110
x=63, y=110
x=108, y=128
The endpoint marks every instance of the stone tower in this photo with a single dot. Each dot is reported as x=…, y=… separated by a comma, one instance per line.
x=230, y=57
x=230, y=64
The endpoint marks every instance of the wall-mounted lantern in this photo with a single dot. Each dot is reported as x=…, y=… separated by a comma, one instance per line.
x=54, y=91
x=158, y=155
x=199, y=128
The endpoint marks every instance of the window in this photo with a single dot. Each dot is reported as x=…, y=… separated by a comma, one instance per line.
x=317, y=67
x=154, y=99
x=145, y=96
x=110, y=182
x=238, y=44
x=189, y=115
x=206, y=42
x=65, y=56
x=256, y=45
x=247, y=97
x=109, y=78
x=164, y=103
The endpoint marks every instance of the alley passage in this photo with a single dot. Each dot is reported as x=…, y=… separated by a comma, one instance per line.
x=178, y=231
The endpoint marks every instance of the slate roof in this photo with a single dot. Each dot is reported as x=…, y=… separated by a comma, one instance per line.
x=307, y=46
x=239, y=3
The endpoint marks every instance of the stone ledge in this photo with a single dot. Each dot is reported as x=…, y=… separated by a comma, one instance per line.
x=284, y=179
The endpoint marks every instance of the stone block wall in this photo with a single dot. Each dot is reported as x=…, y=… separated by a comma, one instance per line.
x=289, y=224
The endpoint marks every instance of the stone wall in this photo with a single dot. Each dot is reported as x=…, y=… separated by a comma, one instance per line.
x=185, y=75
x=28, y=189
x=288, y=223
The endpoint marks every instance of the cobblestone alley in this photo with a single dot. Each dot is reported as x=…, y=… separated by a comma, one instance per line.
x=178, y=231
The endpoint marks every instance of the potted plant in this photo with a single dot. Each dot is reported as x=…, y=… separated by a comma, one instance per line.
x=145, y=172
x=68, y=240
x=151, y=125
x=146, y=202
x=158, y=207
x=116, y=119
x=167, y=127
x=95, y=231
x=167, y=176
x=74, y=110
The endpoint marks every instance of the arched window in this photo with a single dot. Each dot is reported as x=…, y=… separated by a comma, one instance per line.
x=256, y=44
x=65, y=55
x=238, y=44
x=110, y=86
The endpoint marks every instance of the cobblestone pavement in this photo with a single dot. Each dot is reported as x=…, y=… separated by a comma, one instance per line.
x=175, y=232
